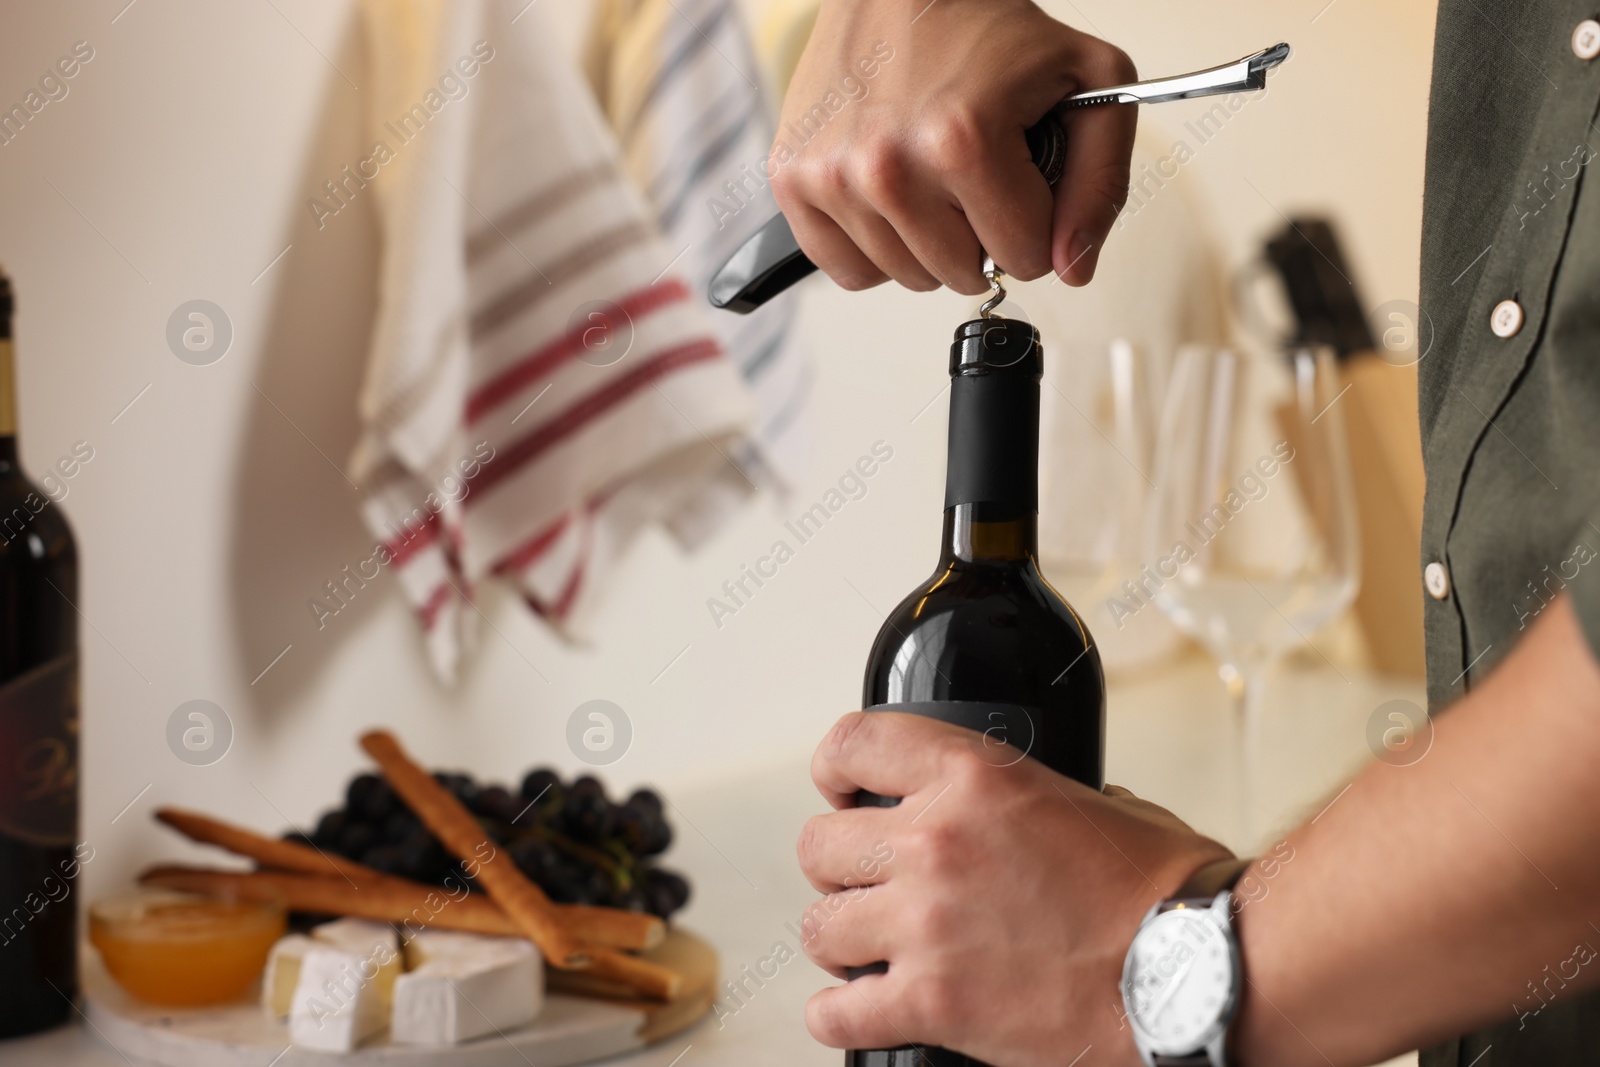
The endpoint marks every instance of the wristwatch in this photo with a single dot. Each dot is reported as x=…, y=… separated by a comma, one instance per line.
x=1181, y=979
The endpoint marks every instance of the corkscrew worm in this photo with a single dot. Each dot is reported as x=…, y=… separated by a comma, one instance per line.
x=993, y=275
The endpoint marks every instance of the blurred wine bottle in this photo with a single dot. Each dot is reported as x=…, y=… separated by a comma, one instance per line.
x=38, y=735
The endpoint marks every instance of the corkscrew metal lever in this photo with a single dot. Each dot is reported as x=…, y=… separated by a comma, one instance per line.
x=770, y=261
x=1243, y=75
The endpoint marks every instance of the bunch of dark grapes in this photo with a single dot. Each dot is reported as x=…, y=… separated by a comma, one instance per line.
x=569, y=837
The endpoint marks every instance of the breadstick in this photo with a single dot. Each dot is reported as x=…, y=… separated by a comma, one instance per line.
x=456, y=829
x=267, y=851
x=386, y=900
x=410, y=904
x=610, y=927
x=651, y=979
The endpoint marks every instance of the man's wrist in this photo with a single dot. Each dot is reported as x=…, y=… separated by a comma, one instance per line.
x=1256, y=1036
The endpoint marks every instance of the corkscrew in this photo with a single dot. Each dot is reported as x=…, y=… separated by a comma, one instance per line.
x=770, y=261
x=997, y=291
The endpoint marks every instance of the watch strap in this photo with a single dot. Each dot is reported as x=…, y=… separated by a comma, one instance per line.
x=1204, y=885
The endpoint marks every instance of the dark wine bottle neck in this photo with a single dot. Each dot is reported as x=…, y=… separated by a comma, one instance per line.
x=992, y=476
x=970, y=539
x=994, y=444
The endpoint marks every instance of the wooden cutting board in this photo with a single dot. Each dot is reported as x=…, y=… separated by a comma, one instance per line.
x=571, y=1029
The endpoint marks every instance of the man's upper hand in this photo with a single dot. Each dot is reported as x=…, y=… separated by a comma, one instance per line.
x=908, y=172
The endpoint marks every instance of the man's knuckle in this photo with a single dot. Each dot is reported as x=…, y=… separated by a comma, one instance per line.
x=1122, y=66
x=828, y=177
x=956, y=138
x=883, y=175
x=960, y=763
x=938, y=845
x=814, y=179
x=813, y=925
x=1109, y=64
x=809, y=845
x=843, y=736
x=786, y=187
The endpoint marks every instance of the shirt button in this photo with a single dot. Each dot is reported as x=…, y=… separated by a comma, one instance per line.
x=1586, y=39
x=1437, y=579
x=1506, y=319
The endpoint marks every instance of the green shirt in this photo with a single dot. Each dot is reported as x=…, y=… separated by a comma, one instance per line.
x=1511, y=417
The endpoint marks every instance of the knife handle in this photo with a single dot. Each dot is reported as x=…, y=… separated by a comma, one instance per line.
x=770, y=260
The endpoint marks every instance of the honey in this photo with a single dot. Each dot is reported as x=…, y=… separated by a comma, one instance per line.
x=183, y=951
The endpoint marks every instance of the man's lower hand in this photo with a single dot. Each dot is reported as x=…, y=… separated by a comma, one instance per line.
x=1003, y=898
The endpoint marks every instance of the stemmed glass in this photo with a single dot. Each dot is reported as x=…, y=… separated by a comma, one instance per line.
x=1251, y=541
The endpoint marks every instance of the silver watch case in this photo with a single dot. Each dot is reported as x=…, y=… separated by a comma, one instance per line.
x=1214, y=1038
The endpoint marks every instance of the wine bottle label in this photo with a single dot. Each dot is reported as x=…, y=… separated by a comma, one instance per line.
x=39, y=754
x=1002, y=733
x=1005, y=731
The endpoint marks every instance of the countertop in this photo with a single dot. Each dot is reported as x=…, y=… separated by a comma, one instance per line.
x=1170, y=738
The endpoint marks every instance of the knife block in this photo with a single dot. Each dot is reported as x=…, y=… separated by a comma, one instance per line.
x=1386, y=467
x=1381, y=427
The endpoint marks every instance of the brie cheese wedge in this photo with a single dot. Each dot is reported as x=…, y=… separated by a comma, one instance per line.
x=429, y=944
x=283, y=974
x=337, y=1003
x=374, y=941
x=465, y=986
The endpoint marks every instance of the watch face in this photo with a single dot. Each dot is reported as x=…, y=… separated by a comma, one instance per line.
x=1178, y=984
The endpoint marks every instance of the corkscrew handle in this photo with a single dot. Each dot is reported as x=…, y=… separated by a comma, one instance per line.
x=770, y=261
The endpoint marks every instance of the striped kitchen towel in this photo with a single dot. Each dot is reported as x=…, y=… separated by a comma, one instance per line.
x=543, y=382
x=679, y=81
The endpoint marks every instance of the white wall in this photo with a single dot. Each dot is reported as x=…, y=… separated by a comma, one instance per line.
x=212, y=509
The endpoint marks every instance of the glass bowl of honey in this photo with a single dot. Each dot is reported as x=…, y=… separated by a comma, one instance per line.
x=183, y=950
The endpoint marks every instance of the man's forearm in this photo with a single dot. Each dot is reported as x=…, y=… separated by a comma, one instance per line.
x=1427, y=898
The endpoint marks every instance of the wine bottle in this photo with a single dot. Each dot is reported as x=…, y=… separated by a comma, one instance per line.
x=986, y=643
x=38, y=736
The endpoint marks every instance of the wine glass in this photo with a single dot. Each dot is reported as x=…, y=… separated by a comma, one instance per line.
x=1251, y=541
x=1099, y=438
